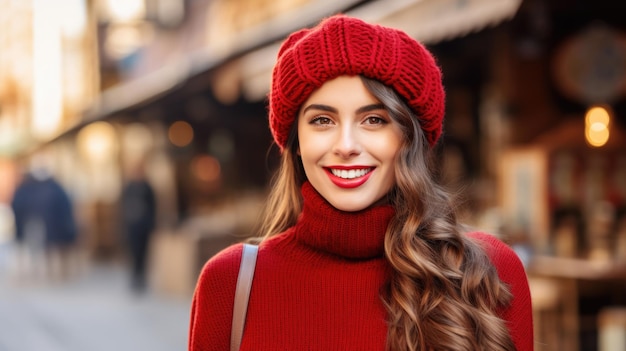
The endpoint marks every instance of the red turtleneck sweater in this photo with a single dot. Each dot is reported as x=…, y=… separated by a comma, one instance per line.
x=316, y=286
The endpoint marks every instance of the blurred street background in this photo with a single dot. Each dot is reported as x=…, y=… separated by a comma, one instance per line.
x=134, y=145
x=95, y=311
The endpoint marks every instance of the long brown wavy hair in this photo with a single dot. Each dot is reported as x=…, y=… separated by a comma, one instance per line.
x=443, y=293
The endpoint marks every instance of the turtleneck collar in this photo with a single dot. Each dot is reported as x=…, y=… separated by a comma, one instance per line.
x=354, y=235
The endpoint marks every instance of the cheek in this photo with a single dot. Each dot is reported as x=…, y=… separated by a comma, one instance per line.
x=388, y=147
x=313, y=145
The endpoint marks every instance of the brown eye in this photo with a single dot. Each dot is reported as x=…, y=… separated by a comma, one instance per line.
x=374, y=120
x=321, y=120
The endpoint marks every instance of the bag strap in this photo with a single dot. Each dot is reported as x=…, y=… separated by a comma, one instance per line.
x=242, y=294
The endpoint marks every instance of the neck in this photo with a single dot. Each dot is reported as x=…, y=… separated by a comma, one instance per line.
x=353, y=235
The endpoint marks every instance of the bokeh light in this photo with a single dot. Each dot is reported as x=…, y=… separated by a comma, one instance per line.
x=206, y=168
x=180, y=133
x=597, y=120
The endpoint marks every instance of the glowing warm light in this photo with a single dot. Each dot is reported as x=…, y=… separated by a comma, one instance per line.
x=97, y=141
x=206, y=168
x=180, y=133
x=597, y=121
x=47, y=63
x=73, y=18
x=597, y=136
x=126, y=10
x=597, y=114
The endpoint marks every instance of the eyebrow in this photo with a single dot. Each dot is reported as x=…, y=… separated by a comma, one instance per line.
x=366, y=108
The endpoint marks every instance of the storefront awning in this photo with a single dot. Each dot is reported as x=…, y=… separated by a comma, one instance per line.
x=432, y=21
x=429, y=21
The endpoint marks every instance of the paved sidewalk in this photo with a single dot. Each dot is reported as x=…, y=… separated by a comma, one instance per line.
x=95, y=312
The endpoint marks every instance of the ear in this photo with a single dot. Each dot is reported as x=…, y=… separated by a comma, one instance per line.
x=298, y=151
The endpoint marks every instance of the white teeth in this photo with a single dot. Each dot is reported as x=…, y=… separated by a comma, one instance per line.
x=350, y=174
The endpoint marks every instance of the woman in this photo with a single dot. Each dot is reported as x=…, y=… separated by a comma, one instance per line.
x=362, y=249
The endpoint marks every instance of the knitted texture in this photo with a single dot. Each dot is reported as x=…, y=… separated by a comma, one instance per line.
x=359, y=235
x=343, y=45
x=317, y=286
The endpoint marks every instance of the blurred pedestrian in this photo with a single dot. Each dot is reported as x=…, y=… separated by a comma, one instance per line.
x=362, y=248
x=138, y=216
x=45, y=225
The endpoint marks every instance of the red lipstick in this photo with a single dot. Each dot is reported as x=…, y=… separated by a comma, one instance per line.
x=349, y=183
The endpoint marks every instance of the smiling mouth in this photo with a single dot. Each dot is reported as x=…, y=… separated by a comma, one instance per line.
x=350, y=173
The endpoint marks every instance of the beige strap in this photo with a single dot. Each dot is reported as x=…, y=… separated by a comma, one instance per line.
x=242, y=294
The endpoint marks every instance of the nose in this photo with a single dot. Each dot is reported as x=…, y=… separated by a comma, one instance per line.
x=348, y=142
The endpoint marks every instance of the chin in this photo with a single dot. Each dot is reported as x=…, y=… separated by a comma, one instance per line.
x=349, y=206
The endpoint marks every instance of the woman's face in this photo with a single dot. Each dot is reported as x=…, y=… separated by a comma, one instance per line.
x=348, y=144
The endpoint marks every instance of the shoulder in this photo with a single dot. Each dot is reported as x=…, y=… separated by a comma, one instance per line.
x=509, y=267
x=518, y=314
x=506, y=261
x=218, y=277
x=212, y=304
x=501, y=255
x=222, y=266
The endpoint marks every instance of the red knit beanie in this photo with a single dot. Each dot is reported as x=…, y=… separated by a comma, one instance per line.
x=343, y=45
